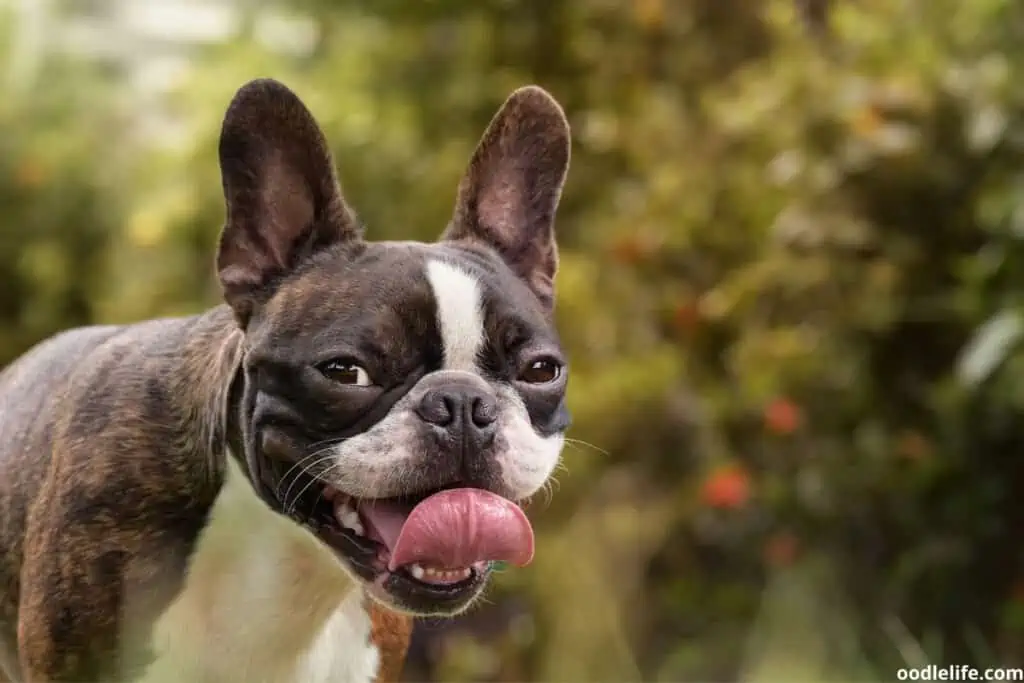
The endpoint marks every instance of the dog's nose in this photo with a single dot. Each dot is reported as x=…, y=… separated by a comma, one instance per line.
x=460, y=409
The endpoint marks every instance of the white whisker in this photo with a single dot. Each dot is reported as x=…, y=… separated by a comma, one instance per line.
x=305, y=464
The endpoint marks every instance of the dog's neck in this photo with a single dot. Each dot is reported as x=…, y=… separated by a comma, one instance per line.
x=271, y=595
x=208, y=386
x=255, y=579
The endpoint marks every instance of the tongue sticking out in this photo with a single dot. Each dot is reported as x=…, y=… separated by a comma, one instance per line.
x=453, y=529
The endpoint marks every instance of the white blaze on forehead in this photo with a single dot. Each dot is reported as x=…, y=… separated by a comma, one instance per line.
x=459, y=314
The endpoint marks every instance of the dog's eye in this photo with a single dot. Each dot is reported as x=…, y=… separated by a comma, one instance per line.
x=345, y=372
x=541, y=371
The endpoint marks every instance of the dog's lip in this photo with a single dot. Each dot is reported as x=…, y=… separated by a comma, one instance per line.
x=352, y=517
x=426, y=597
x=441, y=534
x=368, y=559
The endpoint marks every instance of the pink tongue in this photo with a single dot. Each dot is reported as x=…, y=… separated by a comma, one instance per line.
x=451, y=529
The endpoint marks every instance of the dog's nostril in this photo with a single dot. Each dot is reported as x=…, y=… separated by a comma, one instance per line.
x=484, y=412
x=451, y=408
x=456, y=408
x=437, y=408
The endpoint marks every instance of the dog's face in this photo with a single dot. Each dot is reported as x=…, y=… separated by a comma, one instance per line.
x=400, y=398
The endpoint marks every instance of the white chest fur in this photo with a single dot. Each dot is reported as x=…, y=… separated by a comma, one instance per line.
x=263, y=602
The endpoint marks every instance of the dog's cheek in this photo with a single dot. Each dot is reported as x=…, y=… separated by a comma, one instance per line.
x=378, y=462
x=528, y=459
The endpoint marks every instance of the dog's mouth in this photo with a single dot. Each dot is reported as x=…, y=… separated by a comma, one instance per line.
x=429, y=552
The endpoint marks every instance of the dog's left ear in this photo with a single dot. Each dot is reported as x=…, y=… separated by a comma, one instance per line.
x=508, y=196
x=283, y=200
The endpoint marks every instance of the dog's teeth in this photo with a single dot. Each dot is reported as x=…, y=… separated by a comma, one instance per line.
x=438, y=574
x=347, y=517
x=351, y=521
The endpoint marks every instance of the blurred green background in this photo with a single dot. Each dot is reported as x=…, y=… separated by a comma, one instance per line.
x=791, y=288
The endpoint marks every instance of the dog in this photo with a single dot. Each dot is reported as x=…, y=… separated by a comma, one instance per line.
x=272, y=490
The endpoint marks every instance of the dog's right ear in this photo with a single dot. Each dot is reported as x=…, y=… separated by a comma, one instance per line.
x=509, y=194
x=283, y=199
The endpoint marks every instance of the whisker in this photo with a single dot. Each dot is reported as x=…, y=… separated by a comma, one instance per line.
x=581, y=442
x=334, y=441
x=291, y=508
x=314, y=477
x=550, y=487
x=305, y=465
x=320, y=495
x=302, y=462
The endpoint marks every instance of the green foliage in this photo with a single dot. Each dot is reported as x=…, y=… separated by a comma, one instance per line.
x=789, y=288
x=58, y=204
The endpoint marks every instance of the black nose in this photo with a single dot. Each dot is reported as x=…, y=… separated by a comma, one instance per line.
x=463, y=411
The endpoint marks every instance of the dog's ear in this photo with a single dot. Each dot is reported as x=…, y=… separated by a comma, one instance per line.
x=508, y=196
x=283, y=199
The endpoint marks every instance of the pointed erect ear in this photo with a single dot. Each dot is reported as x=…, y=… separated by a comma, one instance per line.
x=283, y=199
x=508, y=197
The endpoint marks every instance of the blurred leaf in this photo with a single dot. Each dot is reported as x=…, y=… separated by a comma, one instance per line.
x=989, y=347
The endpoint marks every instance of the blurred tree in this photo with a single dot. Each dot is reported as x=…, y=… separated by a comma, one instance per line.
x=57, y=199
x=789, y=287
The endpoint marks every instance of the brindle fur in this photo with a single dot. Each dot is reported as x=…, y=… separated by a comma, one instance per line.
x=112, y=438
x=106, y=477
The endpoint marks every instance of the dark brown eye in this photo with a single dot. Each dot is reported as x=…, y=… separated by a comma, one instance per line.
x=345, y=372
x=541, y=372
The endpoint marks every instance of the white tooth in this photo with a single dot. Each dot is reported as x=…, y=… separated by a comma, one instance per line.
x=417, y=572
x=347, y=516
x=350, y=520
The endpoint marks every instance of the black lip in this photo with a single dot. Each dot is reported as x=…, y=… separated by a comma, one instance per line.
x=360, y=554
x=417, y=596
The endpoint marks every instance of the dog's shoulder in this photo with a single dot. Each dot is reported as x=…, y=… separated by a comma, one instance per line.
x=104, y=390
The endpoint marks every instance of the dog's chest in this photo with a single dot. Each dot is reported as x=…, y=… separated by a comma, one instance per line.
x=263, y=602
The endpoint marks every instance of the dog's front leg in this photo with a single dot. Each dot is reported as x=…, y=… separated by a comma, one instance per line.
x=68, y=616
x=87, y=608
x=101, y=562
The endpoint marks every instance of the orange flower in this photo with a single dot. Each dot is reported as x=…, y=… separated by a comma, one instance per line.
x=727, y=487
x=686, y=317
x=29, y=174
x=781, y=549
x=628, y=250
x=913, y=445
x=782, y=417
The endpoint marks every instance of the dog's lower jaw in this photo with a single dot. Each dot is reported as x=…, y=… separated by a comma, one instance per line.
x=264, y=600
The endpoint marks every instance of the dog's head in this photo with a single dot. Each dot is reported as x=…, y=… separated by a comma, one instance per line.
x=400, y=398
